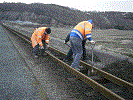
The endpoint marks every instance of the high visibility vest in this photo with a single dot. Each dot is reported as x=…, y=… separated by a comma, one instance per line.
x=38, y=36
x=82, y=30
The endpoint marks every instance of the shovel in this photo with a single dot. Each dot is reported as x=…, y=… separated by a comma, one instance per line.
x=92, y=46
x=91, y=72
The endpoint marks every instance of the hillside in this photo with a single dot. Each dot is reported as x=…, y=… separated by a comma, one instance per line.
x=56, y=15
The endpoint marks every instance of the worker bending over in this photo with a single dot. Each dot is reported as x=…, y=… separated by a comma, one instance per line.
x=81, y=31
x=40, y=40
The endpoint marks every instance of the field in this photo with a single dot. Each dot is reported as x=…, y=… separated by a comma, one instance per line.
x=113, y=51
x=119, y=41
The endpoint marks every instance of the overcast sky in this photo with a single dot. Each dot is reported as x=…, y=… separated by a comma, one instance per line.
x=87, y=5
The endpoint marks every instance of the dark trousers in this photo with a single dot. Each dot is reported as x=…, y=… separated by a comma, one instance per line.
x=84, y=49
x=36, y=49
x=70, y=53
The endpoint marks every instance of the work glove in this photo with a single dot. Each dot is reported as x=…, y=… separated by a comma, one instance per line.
x=92, y=42
x=47, y=45
x=65, y=42
x=41, y=47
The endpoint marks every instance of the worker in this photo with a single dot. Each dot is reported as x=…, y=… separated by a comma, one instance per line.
x=70, y=53
x=81, y=31
x=40, y=40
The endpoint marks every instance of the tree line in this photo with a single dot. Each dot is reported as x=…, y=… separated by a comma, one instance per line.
x=59, y=15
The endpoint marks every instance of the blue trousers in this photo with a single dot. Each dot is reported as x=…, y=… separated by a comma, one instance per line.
x=36, y=49
x=76, y=45
x=70, y=53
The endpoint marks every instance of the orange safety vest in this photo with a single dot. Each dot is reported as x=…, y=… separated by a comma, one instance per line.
x=83, y=30
x=38, y=36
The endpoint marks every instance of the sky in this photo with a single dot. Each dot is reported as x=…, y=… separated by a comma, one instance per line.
x=86, y=5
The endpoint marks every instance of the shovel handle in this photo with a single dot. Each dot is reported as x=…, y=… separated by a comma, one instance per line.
x=92, y=46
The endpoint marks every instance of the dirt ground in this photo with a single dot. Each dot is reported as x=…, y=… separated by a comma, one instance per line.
x=119, y=41
x=113, y=49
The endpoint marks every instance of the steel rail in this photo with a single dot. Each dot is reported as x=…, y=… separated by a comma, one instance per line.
x=96, y=86
x=102, y=73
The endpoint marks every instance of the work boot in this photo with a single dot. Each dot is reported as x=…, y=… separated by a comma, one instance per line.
x=77, y=69
x=36, y=56
x=45, y=54
x=81, y=67
x=66, y=60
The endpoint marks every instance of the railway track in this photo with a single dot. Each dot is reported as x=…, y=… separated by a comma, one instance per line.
x=100, y=82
